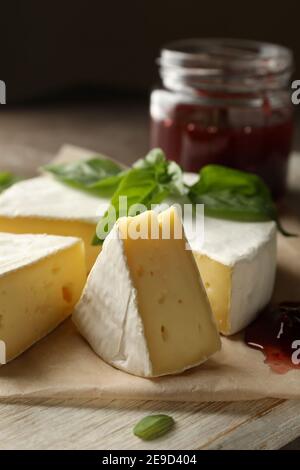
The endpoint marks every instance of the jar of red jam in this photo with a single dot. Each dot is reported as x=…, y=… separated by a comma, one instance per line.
x=226, y=102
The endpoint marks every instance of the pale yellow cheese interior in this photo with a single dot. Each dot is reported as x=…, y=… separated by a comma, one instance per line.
x=72, y=228
x=37, y=297
x=177, y=318
x=217, y=281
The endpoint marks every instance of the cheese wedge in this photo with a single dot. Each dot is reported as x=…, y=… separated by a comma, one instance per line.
x=144, y=308
x=238, y=267
x=237, y=263
x=41, y=279
x=44, y=205
x=237, y=260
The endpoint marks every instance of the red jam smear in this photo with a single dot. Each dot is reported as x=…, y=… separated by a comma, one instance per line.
x=276, y=333
x=195, y=136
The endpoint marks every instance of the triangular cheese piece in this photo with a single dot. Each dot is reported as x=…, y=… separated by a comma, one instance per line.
x=41, y=279
x=144, y=309
x=44, y=205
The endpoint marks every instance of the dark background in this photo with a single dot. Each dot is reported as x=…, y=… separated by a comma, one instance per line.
x=92, y=46
x=81, y=71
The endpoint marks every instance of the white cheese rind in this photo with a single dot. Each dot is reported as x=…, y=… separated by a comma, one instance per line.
x=18, y=251
x=249, y=250
x=141, y=331
x=229, y=242
x=44, y=197
x=109, y=300
x=252, y=284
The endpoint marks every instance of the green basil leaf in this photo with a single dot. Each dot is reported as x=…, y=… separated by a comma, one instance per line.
x=235, y=195
x=107, y=186
x=176, y=185
x=150, y=181
x=152, y=427
x=166, y=172
x=154, y=159
x=139, y=186
x=99, y=175
x=7, y=179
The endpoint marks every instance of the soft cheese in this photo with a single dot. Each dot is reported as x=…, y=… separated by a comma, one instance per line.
x=237, y=262
x=144, y=308
x=44, y=205
x=41, y=279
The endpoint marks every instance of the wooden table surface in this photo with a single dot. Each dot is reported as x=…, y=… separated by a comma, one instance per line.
x=28, y=138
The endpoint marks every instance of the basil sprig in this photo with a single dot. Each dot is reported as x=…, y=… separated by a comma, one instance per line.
x=234, y=195
x=166, y=172
x=99, y=175
x=7, y=179
x=225, y=192
x=150, y=181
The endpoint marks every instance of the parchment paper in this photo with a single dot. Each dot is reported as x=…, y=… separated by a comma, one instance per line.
x=63, y=365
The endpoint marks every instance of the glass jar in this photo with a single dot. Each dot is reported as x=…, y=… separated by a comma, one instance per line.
x=227, y=102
